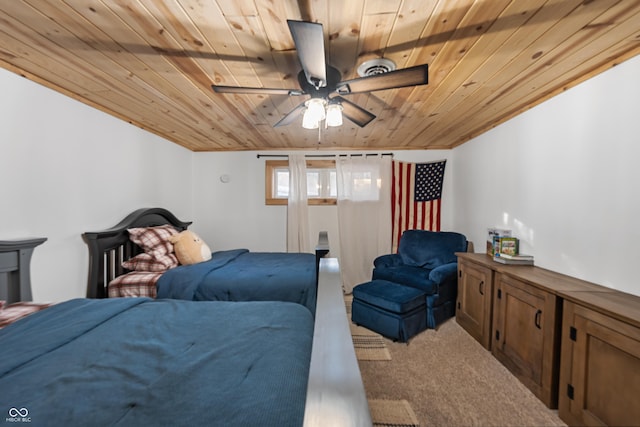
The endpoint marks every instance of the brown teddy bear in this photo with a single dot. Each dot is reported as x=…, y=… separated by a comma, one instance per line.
x=189, y=248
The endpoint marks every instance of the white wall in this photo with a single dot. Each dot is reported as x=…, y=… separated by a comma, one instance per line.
x=66, y=168
x=234, y=215
x=562, y=175
x=565, y=177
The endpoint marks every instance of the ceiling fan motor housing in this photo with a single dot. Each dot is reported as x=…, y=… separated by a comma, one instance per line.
x=333, y=78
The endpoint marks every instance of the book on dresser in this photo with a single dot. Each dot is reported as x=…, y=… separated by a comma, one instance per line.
x=519, y=259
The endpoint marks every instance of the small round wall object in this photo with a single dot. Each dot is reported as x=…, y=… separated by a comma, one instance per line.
x=224, y=178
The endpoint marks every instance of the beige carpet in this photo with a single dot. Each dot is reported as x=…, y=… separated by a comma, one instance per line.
x=447, y=378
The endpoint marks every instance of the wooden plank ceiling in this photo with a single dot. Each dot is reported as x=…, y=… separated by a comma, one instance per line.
x=152, y=63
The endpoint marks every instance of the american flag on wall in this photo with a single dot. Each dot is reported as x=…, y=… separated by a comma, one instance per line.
x=415, y=197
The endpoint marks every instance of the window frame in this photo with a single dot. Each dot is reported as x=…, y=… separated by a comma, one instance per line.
x=269, y=169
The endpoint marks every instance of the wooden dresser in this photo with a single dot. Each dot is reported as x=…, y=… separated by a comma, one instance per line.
x=15, y=270
x=528, y=318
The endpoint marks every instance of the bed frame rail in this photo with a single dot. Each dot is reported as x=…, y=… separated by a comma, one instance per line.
x=335, y=391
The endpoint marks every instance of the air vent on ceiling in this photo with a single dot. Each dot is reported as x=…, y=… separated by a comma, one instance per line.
x=376, y=66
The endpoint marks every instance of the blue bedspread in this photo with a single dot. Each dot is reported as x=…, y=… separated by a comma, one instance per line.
x=240, y=275
x=141, y=362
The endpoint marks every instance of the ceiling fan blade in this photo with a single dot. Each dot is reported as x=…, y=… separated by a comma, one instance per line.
x=412, y=76
x=309, y=40
x=353, y=112
x=291, y=116
x=256, y=90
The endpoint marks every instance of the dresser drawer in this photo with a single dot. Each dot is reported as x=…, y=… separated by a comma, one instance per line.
x=8, y=261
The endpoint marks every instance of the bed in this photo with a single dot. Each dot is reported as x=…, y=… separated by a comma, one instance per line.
x=140, y=361
x=143, y=361
x=232, y=275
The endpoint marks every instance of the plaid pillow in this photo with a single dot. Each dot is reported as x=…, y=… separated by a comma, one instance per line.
x=148, y=262
x=134, y=284
x=153, y=240
x=18, y=310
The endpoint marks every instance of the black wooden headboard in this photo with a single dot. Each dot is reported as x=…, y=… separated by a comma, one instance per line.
x=109, y=248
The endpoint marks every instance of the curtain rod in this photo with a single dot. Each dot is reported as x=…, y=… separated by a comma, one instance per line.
x=326, y=155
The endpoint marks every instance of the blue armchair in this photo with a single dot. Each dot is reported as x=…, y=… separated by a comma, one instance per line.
x=426, y=261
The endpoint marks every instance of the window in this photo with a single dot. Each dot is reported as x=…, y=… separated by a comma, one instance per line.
x=321, y=182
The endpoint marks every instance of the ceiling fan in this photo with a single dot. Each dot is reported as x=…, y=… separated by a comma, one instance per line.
x=323, y=82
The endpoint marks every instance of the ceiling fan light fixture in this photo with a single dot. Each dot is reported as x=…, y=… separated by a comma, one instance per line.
x=334, y=115
x=308, y=122
x=314, y=114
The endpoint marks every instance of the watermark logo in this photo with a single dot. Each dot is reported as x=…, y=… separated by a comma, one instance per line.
x=18, y=415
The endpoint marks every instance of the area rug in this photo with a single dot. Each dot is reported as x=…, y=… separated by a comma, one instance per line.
x=392, y=413
x=348, y=299
x=367, y=344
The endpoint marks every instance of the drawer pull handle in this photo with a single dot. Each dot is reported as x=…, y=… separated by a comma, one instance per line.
x=481, y=287
x=538, y=318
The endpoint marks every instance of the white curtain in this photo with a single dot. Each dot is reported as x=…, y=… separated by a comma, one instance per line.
x=297, y=209
x=364, y=215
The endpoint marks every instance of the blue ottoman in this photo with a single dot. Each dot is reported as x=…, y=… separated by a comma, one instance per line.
x=395, y=311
